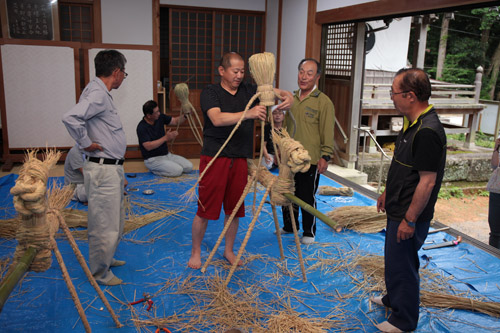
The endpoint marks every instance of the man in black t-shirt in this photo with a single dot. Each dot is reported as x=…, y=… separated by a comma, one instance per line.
x=413, y=183
x=153, y=142
x=223, y=105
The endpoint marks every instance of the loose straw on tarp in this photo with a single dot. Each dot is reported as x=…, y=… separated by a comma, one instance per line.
x=181, y=90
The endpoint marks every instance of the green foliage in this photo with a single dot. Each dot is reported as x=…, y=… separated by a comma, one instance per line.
x=482, y=140
x=450, y=192
x=483, y=193
x=472, y=39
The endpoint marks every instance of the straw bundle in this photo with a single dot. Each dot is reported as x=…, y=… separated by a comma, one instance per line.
x=359, y=218
x=447, y=301
x=341, y=191
x=262, y=68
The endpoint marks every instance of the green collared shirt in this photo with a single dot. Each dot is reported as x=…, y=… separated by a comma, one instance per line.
x=314, y=123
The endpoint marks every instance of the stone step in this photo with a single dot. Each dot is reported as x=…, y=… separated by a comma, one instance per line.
x=353, y=175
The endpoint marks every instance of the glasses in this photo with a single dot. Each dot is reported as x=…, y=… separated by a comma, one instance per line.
x=124, y=74
x=397, y=93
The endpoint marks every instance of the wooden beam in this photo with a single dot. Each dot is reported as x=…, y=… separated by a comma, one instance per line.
x=96, y=11
x=313, y=34
x=386, y=8
x=156, y=48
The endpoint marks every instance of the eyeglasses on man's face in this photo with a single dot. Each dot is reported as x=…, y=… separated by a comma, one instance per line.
x=124, y=73
x=392, y=93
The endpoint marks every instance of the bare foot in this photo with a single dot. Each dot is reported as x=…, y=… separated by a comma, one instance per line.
x=195, y=261
x=231, y=257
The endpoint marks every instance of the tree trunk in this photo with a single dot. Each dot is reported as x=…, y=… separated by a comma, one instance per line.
x=442, y=45
x=495, y=65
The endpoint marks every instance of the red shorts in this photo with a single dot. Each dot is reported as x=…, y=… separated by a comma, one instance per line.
x=223, y=183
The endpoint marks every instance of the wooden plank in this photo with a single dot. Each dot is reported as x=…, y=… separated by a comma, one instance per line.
x=387, y=8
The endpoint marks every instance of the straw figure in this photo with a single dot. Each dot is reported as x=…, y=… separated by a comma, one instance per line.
x=181, y=90
x=40, y=219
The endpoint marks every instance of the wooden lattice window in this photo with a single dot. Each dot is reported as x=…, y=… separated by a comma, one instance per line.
x=76, y=23
x=191, y=47
x=339, y=46
x=237, y=32
x=199, y=38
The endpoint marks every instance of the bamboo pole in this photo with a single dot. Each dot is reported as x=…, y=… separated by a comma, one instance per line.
x=81, y=260
x=228, y=223
x=11, y=280
x=71, y=287
x=310, y=209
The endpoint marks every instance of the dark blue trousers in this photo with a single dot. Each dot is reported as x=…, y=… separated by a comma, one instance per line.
x=401, y=275
x=494, y=219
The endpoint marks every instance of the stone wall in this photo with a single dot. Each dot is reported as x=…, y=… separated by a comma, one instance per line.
x=459, y=167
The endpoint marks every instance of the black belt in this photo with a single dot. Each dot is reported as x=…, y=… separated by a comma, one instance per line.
x=102, y=160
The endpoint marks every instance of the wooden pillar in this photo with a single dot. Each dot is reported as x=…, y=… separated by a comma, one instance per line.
x=357, y=71
x=421, y=23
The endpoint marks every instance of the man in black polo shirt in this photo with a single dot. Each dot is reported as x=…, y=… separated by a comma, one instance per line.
x=413, y=183
x=153, y=142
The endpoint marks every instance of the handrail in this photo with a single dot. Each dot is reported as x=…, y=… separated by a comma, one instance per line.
x=366, y=130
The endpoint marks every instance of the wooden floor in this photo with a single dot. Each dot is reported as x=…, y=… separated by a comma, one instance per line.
x=129, y=166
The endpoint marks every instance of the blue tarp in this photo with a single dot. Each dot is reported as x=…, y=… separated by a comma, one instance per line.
x=157, y=255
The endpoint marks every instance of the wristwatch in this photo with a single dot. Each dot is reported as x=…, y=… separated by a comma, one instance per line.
x=410, y=223
x=326, y=157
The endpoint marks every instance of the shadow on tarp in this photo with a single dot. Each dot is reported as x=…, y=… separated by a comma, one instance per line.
x=156, y=255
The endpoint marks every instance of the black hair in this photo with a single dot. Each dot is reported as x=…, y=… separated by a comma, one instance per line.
x=148, y=107
x=225, y=61
x=416, y=80
x=107, y=61
x=318, y=65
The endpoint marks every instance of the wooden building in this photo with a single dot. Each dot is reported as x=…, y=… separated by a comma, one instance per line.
x=47, y=48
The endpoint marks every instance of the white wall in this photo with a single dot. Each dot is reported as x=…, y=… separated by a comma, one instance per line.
x=258, y=5
x=323, y=5
x=127, y=22
x=293, y=42
x=390, y=51
x=272, y=26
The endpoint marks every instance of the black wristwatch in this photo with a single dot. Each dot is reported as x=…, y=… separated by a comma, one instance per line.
x=326, y=157
x=410, y=223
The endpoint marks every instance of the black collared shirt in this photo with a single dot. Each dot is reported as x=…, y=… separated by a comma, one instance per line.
x=421, y=147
